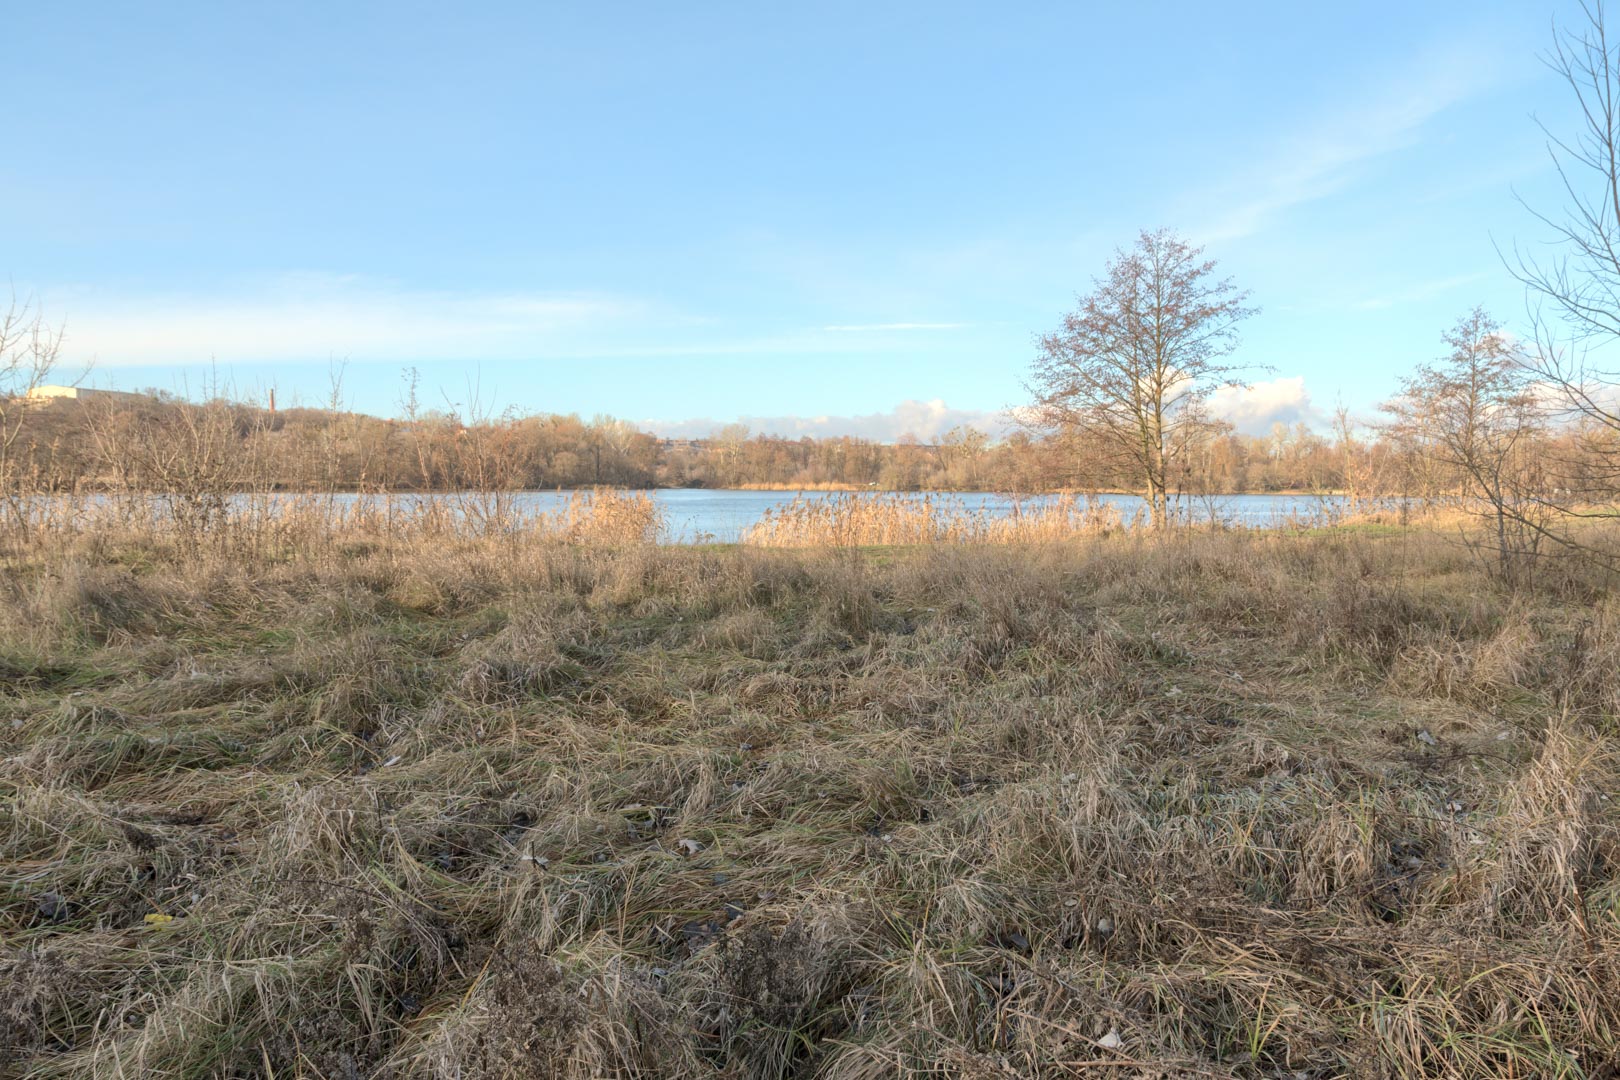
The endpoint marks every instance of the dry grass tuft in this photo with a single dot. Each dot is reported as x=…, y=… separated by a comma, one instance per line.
x=866, y=520
x=483, y=803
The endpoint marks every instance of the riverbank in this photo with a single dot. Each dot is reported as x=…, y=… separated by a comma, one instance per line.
x=687, y=515
x=1298, y=493
x=1221, y=804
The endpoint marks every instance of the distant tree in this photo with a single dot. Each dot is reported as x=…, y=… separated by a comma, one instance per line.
x=29, y=348
x=1474, y=414
x=730, y=441
x=961, y=450
x=906, y=462
x=612, y=444
x=1354, y=460
x=1132, y=365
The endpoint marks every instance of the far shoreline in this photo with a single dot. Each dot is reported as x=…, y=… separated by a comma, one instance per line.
x=807, y=489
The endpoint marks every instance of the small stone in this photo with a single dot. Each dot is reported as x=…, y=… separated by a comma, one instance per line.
x=52, y=907
x=699, y=934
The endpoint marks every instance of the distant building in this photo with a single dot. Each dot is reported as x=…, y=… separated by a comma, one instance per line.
x=44, y=395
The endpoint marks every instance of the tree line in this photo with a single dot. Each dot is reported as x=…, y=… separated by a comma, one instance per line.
x=158, y=441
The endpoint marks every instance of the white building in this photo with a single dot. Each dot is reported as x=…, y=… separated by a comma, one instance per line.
x=44, y=395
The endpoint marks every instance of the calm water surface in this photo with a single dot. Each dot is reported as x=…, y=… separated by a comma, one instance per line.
x=720, y=516
x=698, y=516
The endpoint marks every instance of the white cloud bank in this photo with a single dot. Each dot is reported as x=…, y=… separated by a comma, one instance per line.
x=1251, y=409
x=927, y=420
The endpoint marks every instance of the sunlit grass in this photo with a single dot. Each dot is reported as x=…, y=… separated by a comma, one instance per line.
x=459, y=803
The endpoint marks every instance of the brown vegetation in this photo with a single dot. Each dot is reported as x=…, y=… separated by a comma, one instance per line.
x=159, y=442
x=879, y=520
x=1212, y=804
x=300, y=786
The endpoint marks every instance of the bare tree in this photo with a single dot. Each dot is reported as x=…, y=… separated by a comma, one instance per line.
x=1574, y=292
x=1475, y=415
x=194, y=457
x=1133, y=364
x=416, y=420
x=29, y=349
x=1354, y=461
x=612, y=437
x=730, y=441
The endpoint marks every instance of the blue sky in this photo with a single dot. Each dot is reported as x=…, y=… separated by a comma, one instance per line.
x=836, y=217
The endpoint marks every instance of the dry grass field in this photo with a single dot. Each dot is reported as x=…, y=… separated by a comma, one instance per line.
x=1213, y=805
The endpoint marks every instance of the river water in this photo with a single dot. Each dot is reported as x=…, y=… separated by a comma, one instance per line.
x=702, y=515
x=696, y=515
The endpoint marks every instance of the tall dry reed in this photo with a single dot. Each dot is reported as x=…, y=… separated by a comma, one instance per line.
x=278, y=526
x=891, y=518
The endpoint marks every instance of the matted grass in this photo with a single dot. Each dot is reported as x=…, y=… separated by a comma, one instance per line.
x=1215, y=805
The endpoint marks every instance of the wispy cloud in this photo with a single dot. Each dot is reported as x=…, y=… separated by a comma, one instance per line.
x=882, y=327
x=313, y=316
x=926, y=420
x=303, y=317
x=1423, y=290
x=1325, y=156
